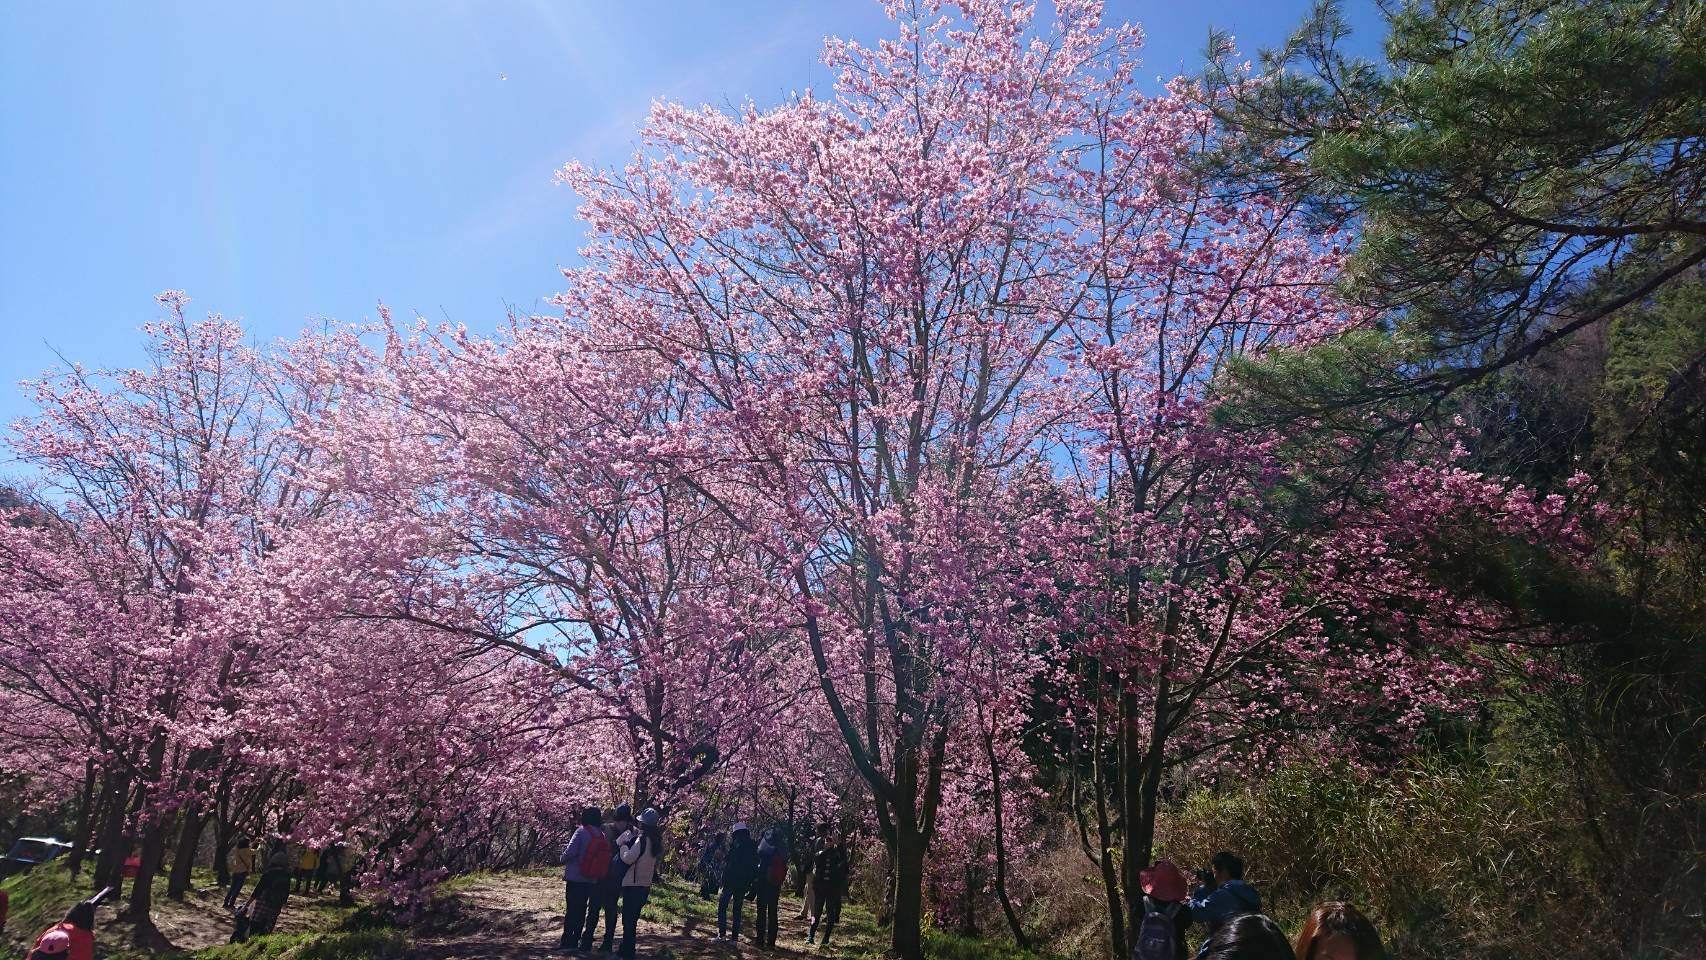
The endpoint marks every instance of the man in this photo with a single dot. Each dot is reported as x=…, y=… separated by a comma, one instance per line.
x=1222, y=894
x=579, y=857
x=240, y=862
x=607, y=892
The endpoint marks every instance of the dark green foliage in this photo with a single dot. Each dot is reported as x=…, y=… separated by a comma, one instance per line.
x=1505, y=152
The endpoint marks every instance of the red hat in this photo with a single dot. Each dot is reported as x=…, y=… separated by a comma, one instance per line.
x=1163, y=881
x=54, y=942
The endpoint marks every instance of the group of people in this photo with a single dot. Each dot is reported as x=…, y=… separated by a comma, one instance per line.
x=609, y=866
x=740, y=869
x=311, y=869
x=1231, y=911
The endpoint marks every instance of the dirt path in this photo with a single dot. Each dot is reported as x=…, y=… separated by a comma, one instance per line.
x=515, y=916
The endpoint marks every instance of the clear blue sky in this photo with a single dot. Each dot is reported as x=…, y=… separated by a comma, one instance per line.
x=283, y=161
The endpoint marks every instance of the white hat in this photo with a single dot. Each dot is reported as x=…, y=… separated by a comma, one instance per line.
x=738, y=827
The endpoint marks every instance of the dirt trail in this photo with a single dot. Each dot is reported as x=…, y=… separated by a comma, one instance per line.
x=516, y=916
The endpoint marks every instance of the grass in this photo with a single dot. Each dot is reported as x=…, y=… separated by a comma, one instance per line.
x=39, y=899
x=341, y=944
x=857, y=937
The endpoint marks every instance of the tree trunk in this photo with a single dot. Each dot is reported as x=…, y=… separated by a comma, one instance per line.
x=222, y=827
x=968, y=923
x=189, y=843
x=85, y=819
x=110, y=863
x=153, y=851
x=907, y=941
x=1019, y=938
x=1136, y=854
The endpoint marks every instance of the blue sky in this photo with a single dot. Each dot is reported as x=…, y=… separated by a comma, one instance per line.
x=286, y=161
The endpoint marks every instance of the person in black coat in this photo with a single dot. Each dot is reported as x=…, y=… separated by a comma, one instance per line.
x=740, y=868
x=831, y=867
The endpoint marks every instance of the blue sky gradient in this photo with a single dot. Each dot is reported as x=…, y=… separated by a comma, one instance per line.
x=282, y=162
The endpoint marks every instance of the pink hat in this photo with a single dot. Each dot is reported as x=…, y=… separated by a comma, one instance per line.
x=54, y=942
x=1163, y=881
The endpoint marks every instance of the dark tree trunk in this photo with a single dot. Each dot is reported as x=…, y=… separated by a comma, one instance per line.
x=907, y=942
x=189, y=843
x=85, y=819
x=140, y=910
x=1019, y=938
x=114, y=848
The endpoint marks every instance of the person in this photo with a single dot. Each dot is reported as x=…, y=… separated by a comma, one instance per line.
x=1222, y=894
x=640, y=846
x=1336, y=930
x=608, y=890
x=70, y=939
x=240, y=862
x=830, y=870
x=585, y=860
x=328, y=869
x=772, y=874
x=270, y=893
x=1247, y=936
x=710, y=867
x=740, y=866
x=808, y=890
x=306, y=864
x=1161, y=931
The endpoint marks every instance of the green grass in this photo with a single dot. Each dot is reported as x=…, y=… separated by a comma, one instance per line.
x=341, y=944
x=857, y=937
x=39, y=900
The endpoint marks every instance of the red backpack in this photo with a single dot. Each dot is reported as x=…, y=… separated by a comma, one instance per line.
x=595, y=859
x=778, y=870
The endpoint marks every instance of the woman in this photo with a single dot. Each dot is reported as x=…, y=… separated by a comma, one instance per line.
x=772, y=873
x=640, y=847
x=1338, y=931
x=1249, y=936
x=1161, y=932
x=72, y=938
x=271, y=891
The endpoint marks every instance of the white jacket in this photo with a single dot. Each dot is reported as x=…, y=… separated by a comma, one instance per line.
x=641, y=859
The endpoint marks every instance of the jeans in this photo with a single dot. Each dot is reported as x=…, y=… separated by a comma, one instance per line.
x=828, y=910
x=575, y=897
x=633, y=901
x=731, y=892
x=237, y=881
x=768, y=896
x=603, y=899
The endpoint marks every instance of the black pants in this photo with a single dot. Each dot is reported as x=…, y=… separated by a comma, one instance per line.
x=575, y=897
x=237, y=881
x=827, y=911
x=737, y=894
x=633, y=901
x=769, y=894
x=603, y=900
